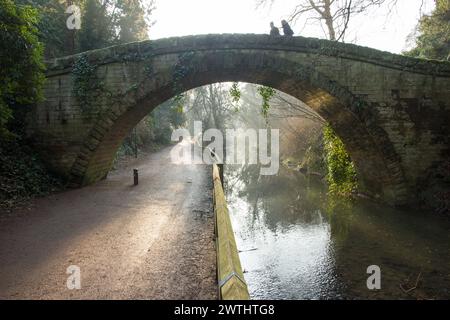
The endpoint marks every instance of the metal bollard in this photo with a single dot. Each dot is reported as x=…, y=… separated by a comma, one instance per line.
x=136, y=176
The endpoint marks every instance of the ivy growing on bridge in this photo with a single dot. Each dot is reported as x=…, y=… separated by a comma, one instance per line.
x=180, y=71
x=235, y=92
x=87, y=87
x=266, y=94
x=341, y=175
x=148, y=69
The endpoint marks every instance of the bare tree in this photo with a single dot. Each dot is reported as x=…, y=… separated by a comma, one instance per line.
x=211, y=104
x=333, y=15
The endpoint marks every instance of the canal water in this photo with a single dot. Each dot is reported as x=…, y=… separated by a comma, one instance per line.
x=296, y=242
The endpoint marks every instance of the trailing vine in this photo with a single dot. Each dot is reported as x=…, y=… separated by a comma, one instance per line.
x=148, y=69
x=266, y=94
x=87, y=87
x=180, y=71
x=235, y=94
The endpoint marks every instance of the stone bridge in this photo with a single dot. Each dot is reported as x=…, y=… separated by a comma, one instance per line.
x=391, y=111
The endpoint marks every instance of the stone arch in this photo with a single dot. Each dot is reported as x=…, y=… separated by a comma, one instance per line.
x=378, y=166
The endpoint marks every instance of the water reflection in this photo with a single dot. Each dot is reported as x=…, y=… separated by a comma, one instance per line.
x=297, y=243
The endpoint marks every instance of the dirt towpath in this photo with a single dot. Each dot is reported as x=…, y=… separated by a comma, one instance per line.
x=151, y=241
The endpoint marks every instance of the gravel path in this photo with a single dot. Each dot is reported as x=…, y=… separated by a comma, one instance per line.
x=151, y=241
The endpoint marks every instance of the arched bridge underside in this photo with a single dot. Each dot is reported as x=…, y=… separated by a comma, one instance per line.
x=391, y=111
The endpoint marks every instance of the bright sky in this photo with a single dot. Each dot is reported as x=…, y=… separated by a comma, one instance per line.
x=375, y=29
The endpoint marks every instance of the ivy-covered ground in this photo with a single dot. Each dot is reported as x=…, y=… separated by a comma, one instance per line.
x=23, y=176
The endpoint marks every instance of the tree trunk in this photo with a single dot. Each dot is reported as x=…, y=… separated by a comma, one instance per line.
x=329, y=20
x=70, y=35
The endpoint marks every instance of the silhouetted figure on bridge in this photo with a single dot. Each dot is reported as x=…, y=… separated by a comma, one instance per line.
x=286, y=28
x=274, y=30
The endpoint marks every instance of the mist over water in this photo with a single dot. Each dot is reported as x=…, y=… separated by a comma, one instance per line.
x=298, y=243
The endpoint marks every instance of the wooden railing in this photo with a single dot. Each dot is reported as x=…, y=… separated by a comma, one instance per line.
x=232, y=285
